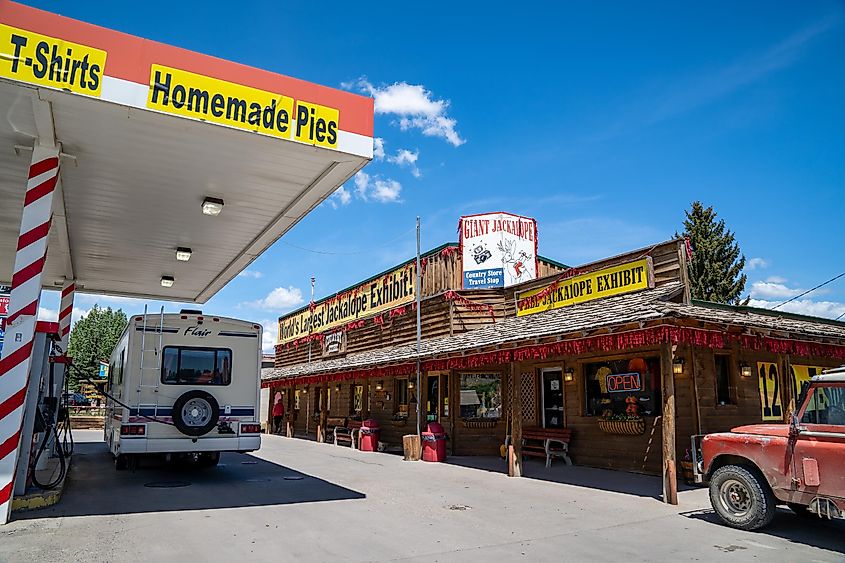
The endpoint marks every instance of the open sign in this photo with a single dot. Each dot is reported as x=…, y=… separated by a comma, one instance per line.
x=623, y=382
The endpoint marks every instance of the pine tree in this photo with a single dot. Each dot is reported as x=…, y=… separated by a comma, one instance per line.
x=715, y=270
x=92, y=340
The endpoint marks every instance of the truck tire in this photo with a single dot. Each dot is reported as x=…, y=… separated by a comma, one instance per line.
x=195, y=413
x=741, y=497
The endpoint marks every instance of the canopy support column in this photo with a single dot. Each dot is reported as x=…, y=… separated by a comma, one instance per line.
x=16, y=363
x=670, y=468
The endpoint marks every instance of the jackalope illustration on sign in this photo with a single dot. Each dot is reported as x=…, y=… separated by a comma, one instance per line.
x=518, y=266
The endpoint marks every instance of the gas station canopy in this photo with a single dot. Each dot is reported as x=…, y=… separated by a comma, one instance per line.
x=147, y=134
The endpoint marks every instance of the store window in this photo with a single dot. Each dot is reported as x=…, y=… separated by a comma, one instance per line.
x=296, y=396
x=357, y=399
x=725, y=388
x=481, y=395
x=401, y=402
x=629, y=387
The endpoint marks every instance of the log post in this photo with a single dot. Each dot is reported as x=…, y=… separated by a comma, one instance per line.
x=670, y=467
x=324, y=401
x=515, y=447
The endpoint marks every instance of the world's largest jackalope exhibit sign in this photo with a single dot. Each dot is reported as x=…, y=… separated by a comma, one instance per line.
x=380, y=294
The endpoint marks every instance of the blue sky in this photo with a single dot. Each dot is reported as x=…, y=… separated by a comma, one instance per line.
x=602, y=121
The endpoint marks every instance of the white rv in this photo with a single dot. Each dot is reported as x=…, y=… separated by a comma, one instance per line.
x=184, y=384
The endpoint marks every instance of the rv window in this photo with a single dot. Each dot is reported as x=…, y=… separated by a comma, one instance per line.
x=186, y=365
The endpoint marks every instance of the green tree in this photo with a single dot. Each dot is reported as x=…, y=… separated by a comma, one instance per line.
x=92, y=340
x=715, y=270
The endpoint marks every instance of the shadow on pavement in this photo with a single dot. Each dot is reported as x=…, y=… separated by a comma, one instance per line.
x=812, y=531
x=240, y=480
x=636, y=484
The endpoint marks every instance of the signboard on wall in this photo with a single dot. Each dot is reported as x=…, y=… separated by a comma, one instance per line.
x=770, y=392
x=498, y=250
x=615, y=280
x=4, y=311
x=385, y=292
x=334, y=343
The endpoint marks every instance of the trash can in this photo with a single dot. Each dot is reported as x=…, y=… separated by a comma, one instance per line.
x=434, y=442
x=370, y=433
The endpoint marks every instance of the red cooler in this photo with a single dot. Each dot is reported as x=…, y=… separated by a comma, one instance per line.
x=434, y=443
x=370, y=433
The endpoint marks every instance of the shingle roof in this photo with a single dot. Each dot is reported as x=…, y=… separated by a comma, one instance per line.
x=647, y=305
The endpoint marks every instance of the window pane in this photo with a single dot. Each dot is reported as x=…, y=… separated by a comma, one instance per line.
x=826, y=406
x=723, y=380
x=481, y=395
x=196, y=366
x=609, y=385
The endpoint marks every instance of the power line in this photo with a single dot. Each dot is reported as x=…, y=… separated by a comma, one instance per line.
x=809, y=291
x=331, y=253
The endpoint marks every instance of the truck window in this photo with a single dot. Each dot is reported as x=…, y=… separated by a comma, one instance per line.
x=190, y=365
x=825, y=405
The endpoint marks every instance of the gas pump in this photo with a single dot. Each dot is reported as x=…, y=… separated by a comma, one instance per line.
x=44, y=413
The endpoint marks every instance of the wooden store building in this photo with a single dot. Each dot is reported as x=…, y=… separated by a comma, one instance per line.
x=613, y=353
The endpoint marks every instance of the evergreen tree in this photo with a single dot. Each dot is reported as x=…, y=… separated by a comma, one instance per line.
x=92, y=340
x=715, y=270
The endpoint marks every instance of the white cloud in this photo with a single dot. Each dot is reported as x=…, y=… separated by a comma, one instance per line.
x=404, y=157
x=341, y=196
x=776, y=279
x=772, y=290
x=280, y=299
x=45, y=314
x=378, y=148
x=270, y=335
x=827, y=309
x=251, y=274
x=378, y=189
x=415, y=107
x=755, y=263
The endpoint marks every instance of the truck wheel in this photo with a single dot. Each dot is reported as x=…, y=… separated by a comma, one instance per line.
x=741, y=497
x=196, y=413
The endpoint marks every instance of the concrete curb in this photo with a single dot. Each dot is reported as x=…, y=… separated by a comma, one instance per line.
x=41, y=499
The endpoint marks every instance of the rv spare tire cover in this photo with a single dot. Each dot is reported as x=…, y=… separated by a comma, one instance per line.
x=196, y=413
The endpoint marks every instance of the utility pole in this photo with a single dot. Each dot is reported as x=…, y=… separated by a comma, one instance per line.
x=418, y=290
x=311, y=314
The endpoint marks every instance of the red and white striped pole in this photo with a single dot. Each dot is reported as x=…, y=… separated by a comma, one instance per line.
x=16, y=362
x=65, y=311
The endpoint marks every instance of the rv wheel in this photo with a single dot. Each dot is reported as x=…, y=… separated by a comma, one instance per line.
x=195, y=413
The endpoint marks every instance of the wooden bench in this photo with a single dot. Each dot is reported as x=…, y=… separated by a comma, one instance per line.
x=546, y=442
x=333, y=422
x=348, y=432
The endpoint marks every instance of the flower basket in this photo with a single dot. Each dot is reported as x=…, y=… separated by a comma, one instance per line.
x=480, y=423
x=631, y=427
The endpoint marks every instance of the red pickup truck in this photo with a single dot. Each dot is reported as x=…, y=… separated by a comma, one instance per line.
x=752, y=469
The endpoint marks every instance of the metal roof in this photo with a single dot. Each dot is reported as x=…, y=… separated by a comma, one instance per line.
x=131, y=189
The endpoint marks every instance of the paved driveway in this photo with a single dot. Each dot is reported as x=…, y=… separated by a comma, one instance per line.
x=301, y=501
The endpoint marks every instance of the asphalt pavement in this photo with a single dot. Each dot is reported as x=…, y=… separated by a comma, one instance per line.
x=301, y=501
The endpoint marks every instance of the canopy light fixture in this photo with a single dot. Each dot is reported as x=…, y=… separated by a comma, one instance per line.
x=183, y=254
x=167, y=281
x=379, y=385
x=744, y=369
x=410, y=384
x=678, y=366
x=569, y=375
x=212, y=206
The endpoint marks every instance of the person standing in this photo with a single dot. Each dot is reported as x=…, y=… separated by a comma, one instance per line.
x=278, y=415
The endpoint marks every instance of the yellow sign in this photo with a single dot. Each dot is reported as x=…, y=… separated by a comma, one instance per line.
x=194, y=95
x=48, y=61
x=770, y=396
x=800, y=374
x=632, y=276
x=386, y=292
x=316, y=124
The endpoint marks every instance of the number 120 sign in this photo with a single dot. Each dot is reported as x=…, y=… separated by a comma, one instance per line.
x=623, y=382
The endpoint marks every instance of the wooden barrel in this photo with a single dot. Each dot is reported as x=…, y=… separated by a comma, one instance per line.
x=412, y=446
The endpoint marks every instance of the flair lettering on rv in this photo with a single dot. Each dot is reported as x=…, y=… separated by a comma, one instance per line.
x=197, y=331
